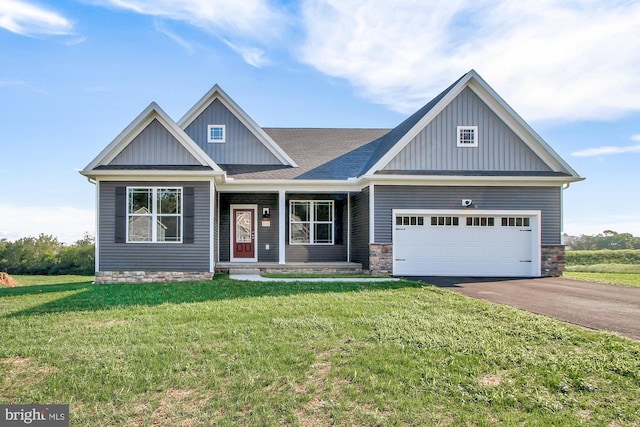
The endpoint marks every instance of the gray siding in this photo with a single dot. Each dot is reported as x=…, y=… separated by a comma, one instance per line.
x=499, y=149
x=320, y=253
x=241, y=146
x=545, y=199
x=360, y=228
x=154, y=146
x=266, y=235
x=154, y=256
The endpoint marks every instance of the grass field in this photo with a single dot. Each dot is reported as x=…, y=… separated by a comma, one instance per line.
x=617, y=274
x=242, y=353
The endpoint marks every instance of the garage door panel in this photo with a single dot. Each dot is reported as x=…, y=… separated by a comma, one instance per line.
x=461, y=249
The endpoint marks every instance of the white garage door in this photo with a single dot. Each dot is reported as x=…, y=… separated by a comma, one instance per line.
x=468, y=243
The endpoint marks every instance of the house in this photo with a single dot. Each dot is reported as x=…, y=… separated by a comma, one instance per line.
x=462, y=187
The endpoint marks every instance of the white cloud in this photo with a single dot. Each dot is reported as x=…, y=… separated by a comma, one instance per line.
x=28, y=19
x=247, y=22
x=251, y=55
x=606, y=150
x=247, y=17
x=635, y=137
x=550, y=59
x=66, y=223
x=162, y=28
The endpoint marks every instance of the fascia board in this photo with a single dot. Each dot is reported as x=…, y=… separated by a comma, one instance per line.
x=494, y=181
x=422, y=123
x=519, y=126
x=216, y=92
x=119, y=176
x=288, y=185
x=153, y=111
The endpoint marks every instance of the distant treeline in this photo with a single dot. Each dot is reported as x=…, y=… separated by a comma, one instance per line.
x=608, y=239
x=46, y=255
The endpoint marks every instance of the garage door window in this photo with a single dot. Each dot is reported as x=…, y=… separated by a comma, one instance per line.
x=445, y=220
x=515, y=222
x=480, y=221
x=410, y=220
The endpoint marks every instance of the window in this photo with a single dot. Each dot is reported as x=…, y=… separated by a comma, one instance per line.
x=409, y=220
x=480, y=221
x=216, y=133
x=154, y=214
x=311, y=222
x=467, y=136
x=515, y=222
x=445, y=220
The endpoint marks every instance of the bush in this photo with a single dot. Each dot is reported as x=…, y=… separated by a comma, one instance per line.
x=625, y=256
x=45, y=255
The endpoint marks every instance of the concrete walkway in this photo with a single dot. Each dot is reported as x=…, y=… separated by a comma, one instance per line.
x=255, y=276
x=593, y=305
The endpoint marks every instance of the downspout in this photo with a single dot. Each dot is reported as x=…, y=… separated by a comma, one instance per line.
x=96, y=255
x=565, y=186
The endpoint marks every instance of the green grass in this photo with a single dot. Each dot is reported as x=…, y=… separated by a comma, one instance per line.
x=625, y=279
x=241, y=353
x=28, y=280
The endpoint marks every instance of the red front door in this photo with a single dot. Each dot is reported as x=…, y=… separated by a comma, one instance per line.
x=243, y=234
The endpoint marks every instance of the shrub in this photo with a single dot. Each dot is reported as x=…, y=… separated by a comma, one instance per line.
x=627, y=256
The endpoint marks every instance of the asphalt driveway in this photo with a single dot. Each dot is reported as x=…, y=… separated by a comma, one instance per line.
x=593, y=305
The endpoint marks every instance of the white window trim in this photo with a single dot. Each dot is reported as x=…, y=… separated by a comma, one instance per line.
x=217, y=141
x=312, y=221
x=475, y=136
x=154, y=215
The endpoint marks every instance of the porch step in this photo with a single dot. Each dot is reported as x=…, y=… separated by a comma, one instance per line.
x=244, y=271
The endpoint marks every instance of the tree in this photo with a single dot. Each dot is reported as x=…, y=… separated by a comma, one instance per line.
x=608, y=239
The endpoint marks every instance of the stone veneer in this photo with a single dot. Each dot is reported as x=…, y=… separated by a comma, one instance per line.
x=552, y=264
x=104, y=277
x=381, y=259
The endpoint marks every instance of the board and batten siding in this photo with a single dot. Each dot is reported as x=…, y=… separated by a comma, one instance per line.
x=155, y=145
x=360, y=228
x=154, y=256
x=241, y=146
x=265, y=235
x=545, y=199
x=435, y=147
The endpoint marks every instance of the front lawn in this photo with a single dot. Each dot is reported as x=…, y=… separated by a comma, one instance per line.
x=241, y=353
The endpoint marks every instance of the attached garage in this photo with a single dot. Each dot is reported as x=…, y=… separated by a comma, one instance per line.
x=466, y=243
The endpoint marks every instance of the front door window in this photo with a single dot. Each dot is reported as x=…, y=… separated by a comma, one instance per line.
x=243, y=234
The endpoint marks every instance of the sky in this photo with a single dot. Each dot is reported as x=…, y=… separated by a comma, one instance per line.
x=75, y=73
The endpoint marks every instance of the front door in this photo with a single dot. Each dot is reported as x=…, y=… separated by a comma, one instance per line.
x=243, y=234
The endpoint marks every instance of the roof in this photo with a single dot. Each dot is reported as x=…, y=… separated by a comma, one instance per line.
x=321, y=153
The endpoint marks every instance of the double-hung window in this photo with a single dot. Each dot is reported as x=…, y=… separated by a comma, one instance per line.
x=311, y=222
x=154, y=214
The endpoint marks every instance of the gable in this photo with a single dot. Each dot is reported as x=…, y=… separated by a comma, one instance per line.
x=154, y=145
x=241, y=146
x=434, y=148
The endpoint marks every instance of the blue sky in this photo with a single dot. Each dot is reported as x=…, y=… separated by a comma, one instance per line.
x=73, y=74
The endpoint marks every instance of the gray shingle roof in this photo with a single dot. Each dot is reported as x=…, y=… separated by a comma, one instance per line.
x=320, y=154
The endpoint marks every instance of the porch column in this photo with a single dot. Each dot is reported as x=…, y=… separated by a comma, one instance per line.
x=282, y=217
